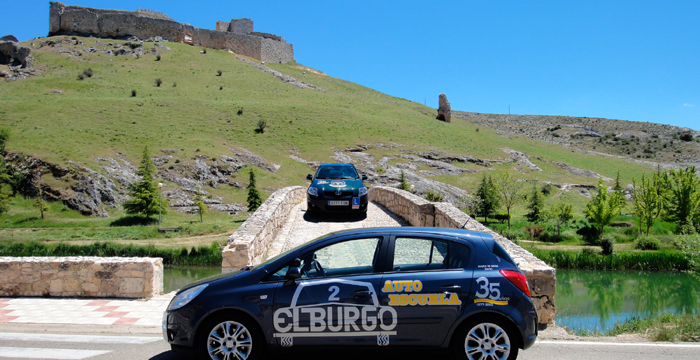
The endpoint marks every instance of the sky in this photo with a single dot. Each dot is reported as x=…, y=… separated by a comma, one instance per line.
x=630, y=60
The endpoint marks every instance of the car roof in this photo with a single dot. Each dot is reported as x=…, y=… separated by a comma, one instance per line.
x=336, y=164
x=463, y=234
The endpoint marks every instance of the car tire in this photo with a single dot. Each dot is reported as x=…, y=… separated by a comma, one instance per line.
x=485, y=338
x=227, y=334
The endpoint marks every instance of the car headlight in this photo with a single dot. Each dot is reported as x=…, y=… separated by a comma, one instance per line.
x=313, y=191
x=363, y=191
x=186, y=296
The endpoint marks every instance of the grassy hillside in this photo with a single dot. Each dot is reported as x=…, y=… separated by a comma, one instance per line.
x=196, y=111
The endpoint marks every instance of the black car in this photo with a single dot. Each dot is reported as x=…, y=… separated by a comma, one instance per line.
x=381, y=287
x=337, y=188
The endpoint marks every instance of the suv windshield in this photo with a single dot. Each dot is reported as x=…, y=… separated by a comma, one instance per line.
x=337, y=172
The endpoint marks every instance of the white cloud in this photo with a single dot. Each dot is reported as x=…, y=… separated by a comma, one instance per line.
x=688, y=105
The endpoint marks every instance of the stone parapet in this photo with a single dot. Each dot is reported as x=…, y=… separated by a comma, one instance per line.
x=419, y=212
x=250, y=242
x=112, y=277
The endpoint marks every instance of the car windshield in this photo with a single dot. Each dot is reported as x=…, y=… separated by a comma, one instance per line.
x=337, y=172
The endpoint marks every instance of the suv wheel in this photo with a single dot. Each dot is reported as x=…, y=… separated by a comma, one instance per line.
x=485, y=339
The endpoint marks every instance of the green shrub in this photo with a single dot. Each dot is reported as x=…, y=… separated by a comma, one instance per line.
x=513, y=234
x=607, y=243
x=88, y=72
x=133, y=93
x=501, y=217
x=158, y=82
x=690, y=246
x=647, y=243
x=590, y=259
x=434, y=196
x=549, y=236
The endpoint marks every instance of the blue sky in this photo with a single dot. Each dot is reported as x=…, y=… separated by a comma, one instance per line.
x=632, y=60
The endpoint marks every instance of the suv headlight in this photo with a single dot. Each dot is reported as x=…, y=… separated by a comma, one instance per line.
x=313, y=191
x=363, y=191
x=186, y=296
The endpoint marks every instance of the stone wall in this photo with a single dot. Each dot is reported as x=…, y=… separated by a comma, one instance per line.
x=81, y=277
x=249, y=244
x=75, y=20
x=420, y=212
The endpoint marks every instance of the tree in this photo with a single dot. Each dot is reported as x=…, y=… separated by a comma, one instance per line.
x=560, y=215
x=39, y=202
x=403, y=182
x=618, y=188
x=434, y=196
x=488, y=197
x=648, y=200
x=4, y=138
x=510, y=190
x=254, y=198
x=143, y=193
x=682, y=198
x=535, y=204
x=199, y=204
x=603, y=207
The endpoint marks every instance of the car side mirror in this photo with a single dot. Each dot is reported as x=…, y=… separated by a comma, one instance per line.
x=364, y=177
x=293, y=274
x=309, y=177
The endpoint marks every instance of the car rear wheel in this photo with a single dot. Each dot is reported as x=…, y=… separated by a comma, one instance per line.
x=230, y=338
x=485, y=339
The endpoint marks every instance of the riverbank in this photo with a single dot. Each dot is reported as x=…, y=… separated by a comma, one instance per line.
x=628, y=260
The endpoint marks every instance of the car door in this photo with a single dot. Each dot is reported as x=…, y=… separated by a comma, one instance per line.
x=335, y=302
x=427, y=285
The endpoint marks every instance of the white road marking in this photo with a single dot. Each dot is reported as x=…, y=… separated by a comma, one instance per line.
x=37, y=353
x=600, y=343
x=92, y=339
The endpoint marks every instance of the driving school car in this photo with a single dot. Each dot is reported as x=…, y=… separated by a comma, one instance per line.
x=337, y=188
x=382, y=287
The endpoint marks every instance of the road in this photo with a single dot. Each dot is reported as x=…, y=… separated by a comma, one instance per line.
x=136, y=343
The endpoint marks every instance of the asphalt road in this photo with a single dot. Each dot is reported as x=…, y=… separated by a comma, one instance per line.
x=132, y=343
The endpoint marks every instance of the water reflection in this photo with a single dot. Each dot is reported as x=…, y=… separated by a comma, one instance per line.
x=595, y=300
x=175, y=277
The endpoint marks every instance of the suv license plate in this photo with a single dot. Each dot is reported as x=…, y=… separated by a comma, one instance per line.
x=338, y=203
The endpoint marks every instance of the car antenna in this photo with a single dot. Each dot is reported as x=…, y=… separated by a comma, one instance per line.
x=464, y=227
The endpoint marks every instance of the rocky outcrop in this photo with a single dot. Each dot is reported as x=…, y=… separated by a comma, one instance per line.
x=14, y=55
x=444, y=109
x=81, y=277
x=9, y=38
x=522, y=158
x=285, y=78
x=581, y=172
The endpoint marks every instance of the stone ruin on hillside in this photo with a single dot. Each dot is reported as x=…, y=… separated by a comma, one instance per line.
x=238, y=35
x=444, y=109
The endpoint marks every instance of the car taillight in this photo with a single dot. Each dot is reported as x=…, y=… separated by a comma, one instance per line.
x=518, y=279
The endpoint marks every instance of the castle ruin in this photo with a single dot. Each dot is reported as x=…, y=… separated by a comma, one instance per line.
x=238, y=35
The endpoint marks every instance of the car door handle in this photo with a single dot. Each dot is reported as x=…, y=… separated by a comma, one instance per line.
x=361, y=293
x=450, y=288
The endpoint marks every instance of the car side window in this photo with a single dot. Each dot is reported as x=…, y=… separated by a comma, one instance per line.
x=352, y=257
x=414, y=254
x=458, y=256
x=417, y=254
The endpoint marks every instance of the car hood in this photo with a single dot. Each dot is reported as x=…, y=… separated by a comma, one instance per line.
x=330, y=185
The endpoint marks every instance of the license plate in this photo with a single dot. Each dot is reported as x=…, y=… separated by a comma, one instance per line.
x=338, y=203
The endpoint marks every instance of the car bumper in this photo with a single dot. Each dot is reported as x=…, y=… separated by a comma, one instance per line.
x=320, y=203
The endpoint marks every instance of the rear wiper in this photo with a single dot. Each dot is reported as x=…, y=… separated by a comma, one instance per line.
x=247, y=268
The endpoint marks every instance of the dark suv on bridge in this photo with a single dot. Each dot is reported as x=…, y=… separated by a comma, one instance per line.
x=337, y=188
x=381, y=287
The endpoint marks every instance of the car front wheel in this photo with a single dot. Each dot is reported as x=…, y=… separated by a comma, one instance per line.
x=229, y=338
x=485, y=340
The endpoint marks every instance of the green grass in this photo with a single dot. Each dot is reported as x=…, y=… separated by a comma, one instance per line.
x=97, y=117
x=591, y=260
x=194, y=256
x=665, y=327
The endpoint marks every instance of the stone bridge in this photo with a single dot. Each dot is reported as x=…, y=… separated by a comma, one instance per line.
x=282, y=223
